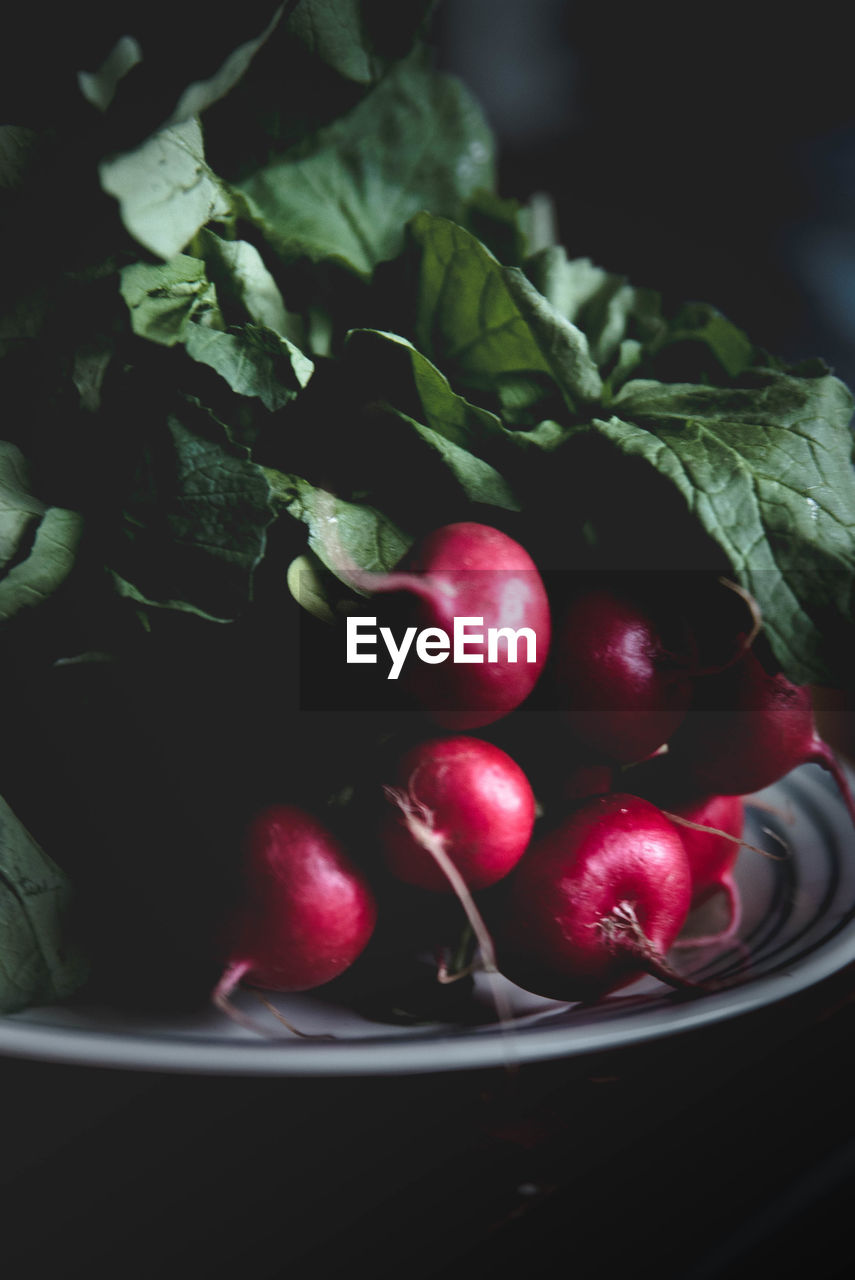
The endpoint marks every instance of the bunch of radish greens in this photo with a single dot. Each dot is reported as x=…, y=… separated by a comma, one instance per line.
x=274, y=348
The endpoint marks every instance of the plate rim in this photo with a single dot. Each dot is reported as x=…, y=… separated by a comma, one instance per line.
x=437, y=1051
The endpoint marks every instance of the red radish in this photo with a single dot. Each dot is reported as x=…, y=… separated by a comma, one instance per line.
x=596, y=902
x=712, y=855
x=710, y=826
x=476, y=799
x=471, y=571
x=747, y=729
x=307, y=911
x=712, y=842
x=622, y=690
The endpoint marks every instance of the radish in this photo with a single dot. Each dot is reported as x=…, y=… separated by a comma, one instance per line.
x=474, y=797
x=712, y=842
x=623, y=689
x=596, y=902
x=711, y=830
x=747, y=729
x=475, y=572
x=710, y=826
x=307, y=911
x=464, y=815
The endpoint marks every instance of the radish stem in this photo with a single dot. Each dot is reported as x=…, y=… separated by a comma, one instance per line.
x=304, y=1035
x=419, y=822
x=622, y=931
x=716, y=831
x=222, y=991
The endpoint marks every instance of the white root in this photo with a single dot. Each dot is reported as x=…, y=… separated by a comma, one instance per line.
x=716, y=831
x=420, y=824
x=220, y=998
x=280, y=1017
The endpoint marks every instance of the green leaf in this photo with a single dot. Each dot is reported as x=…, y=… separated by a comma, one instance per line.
x=238, y=272
x=698, y=324
x=46, y=567
x=39, y=961
x=416, y=141
x=38, y=545
x=487, y=324
x=389, y=367
x=195, y=521
x=308, y=583
x=564, y=346
x=164, y=298
x=254, y=362
x=99, y=87
x=625, y=325
x=333, y=30
x=19, y=510
x=766, y=470
x=341, y=533
x=477, y=481
x=165, y=189
x=174, y=302
x=356, y=38
x=608, y=309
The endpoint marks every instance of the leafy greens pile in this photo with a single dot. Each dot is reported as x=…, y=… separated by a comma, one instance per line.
x=253, y=310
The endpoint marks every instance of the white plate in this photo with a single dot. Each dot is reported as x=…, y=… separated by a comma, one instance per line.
x=798, y=927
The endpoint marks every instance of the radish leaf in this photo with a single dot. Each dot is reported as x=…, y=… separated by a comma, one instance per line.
x=194, y=527
x=39, y=961
x=417, y=140
x=766, y=470
x=166, y=191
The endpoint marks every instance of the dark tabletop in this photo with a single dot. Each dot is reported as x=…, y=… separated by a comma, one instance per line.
x=714, y=1153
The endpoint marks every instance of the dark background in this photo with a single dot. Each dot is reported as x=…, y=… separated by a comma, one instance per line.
x=709, y=152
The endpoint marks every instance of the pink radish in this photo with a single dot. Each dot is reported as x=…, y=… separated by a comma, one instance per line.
x=464, y=812
x=712, y=842
x=475, y=798
x=711, y=829
x=710, y=826
x=596, y=902
x=472, y=571
x=307, y=911
x=623, y=689
x=747, y=729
